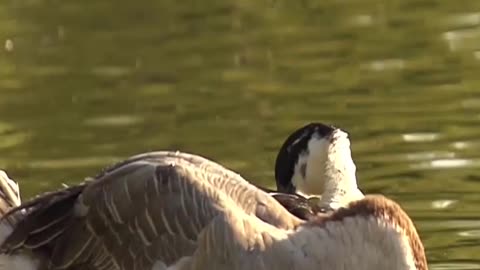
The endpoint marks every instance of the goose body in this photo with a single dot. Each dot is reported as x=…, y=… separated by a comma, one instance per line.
x=172, y=210
x=168, y=210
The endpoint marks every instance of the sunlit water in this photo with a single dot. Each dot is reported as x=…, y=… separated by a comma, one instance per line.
x=87, y=83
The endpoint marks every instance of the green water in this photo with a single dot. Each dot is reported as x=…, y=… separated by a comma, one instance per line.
x=87, y=83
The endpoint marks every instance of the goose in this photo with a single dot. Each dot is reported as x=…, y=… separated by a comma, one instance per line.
x=179, y=211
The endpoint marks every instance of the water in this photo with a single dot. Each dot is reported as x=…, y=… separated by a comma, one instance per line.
x=87, y=83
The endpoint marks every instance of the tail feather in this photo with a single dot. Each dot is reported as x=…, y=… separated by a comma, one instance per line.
x=46, y=217
x=41, y=238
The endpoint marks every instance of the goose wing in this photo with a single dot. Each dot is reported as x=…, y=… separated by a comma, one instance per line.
x=148, y=211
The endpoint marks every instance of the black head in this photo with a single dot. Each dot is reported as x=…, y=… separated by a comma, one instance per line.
x=295, y=145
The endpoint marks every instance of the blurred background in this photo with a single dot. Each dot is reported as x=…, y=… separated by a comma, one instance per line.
x=86, y=83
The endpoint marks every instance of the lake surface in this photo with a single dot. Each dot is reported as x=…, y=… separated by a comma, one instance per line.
x=87, y=83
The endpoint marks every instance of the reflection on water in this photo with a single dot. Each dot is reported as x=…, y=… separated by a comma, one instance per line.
x=85, y=84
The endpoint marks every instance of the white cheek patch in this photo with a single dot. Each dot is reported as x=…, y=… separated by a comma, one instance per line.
x=309, y=170
x=317, y=159
x=343, y=152
x=299, y=172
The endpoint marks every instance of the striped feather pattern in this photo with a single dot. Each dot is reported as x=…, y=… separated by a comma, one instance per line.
x=150, y=208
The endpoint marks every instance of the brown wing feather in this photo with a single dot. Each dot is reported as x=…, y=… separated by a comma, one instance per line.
x=45, y=212
x=150, y=208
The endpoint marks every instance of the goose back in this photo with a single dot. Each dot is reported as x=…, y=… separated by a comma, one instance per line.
x=373, y=233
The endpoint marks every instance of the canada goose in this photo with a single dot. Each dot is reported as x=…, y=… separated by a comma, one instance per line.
x=166, y=210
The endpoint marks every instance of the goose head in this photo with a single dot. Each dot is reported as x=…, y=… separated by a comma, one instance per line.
x=316, y=159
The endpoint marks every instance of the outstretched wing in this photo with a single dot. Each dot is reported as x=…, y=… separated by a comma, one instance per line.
x=148, y=210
